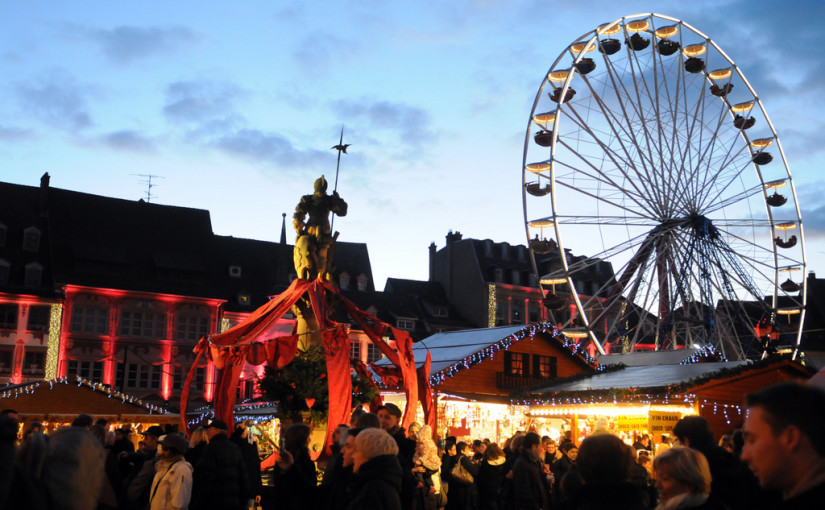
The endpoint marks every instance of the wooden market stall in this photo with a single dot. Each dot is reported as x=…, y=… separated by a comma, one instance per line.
x=650, y=398
x=57, y=402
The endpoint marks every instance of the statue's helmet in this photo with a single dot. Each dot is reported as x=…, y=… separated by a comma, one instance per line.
x=321, y=185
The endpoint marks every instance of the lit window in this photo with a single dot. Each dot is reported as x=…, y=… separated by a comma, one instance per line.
x=34, y=363
x=343, y=281
x=89, y=319
x=373, y=353
x=355, y=349
x=545, y=366
x=515, y=363
x=31, y=239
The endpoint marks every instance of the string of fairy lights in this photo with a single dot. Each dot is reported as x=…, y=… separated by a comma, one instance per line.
x=30, y=388
x=528, y=332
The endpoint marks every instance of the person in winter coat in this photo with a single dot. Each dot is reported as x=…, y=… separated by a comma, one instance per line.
x=333, y=494
x=220, y=481
x=490, y=478
x=462, y=494
x=296, y=481
x=530, y=491
x=244, y=439
x=172, y=485
x=376, y=480
x=604, y=466
x=426, y=467
x=683, y=481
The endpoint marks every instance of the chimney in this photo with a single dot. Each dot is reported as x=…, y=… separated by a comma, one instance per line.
x=44, y=194
x=453, y=237
x=432, y=261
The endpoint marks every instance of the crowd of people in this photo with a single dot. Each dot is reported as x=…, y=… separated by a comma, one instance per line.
x=778, y=461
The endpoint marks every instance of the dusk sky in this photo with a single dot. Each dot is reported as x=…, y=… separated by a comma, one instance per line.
x=234, y=106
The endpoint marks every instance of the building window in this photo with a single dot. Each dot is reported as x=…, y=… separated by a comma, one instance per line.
x=343, y=281
x=505, y=251
x=373, y=353
x=191, y=327
x=91, y=370
x=534, y=311
x=143, y=324
x=31, y=239
x=545, y=366
x=355, y=350
x=515, y=363
x=34, y=275
x=405, y=324
x=362, y=282
x=142, y=376
x=516, y=277
x=181, y=373
x=5, y=269
x=440, y=311
x=89, y=319
x=3, y=230
x=6, y=360
x=498, y=275
x=8, y=316
x=38, y=317
x=34, y=363
x=488, y=248
x=517, y=315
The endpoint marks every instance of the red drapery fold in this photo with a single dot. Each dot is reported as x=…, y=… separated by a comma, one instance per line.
x=425, y=392
x=229, y=350
x=339, y=379
x=361, y=370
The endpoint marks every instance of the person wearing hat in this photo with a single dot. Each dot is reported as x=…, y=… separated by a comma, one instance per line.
x=220, y=479
x=143, y=468
x=172, y=484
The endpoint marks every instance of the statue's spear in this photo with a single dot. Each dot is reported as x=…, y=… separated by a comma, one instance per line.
x=341, y=147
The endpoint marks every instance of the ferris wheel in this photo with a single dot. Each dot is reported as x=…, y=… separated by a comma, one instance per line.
x=658, y=203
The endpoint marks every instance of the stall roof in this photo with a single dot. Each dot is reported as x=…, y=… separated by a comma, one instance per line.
x=642, y=377
x=648, y=358
x=447, y=349
x=67, y=397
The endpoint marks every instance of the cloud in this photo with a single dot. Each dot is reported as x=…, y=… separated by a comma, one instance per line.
x=200, y=100
x=412, y=124
x=13, y=134
x=812, y=209
x=256, y=145
x=56, y=99
x=128, y=140
x=126, y=44
x=319, y=52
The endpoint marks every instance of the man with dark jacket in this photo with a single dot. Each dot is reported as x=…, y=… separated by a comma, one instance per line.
x=220, y=481
x=530, y=491
x=390, y=417
x=244, y=439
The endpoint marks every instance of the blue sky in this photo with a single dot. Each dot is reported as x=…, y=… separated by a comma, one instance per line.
x=235, y=106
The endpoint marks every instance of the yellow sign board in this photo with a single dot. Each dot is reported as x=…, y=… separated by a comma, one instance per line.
x=663, y=422
x=631, y=422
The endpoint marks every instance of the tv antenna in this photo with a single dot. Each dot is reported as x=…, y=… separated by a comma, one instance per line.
x=148, y=182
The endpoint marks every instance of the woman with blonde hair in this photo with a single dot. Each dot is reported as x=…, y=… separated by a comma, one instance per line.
x=683, y=480
x=198, y=441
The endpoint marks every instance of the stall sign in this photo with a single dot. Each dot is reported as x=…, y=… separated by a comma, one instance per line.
x=662, y=422
x=631, y=422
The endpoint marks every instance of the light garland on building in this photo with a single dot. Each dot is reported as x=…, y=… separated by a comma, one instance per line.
x=705, y=353
x=53, y=344
x=29, y=389
x=505, y=343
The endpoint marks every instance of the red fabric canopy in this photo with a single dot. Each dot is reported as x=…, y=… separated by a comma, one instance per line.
x=230, y=349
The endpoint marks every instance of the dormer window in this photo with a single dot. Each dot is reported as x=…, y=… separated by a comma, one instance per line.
x=440, y=311
x=405, y=324
x=505, y=251
x=488, y=248
x=498, y=275
x=343, y=281
x=5, y=269
x=31, y=239
x=362, y=282
x=3, y=235
x=244, y=299
x=235, y=271
x=34, y=275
